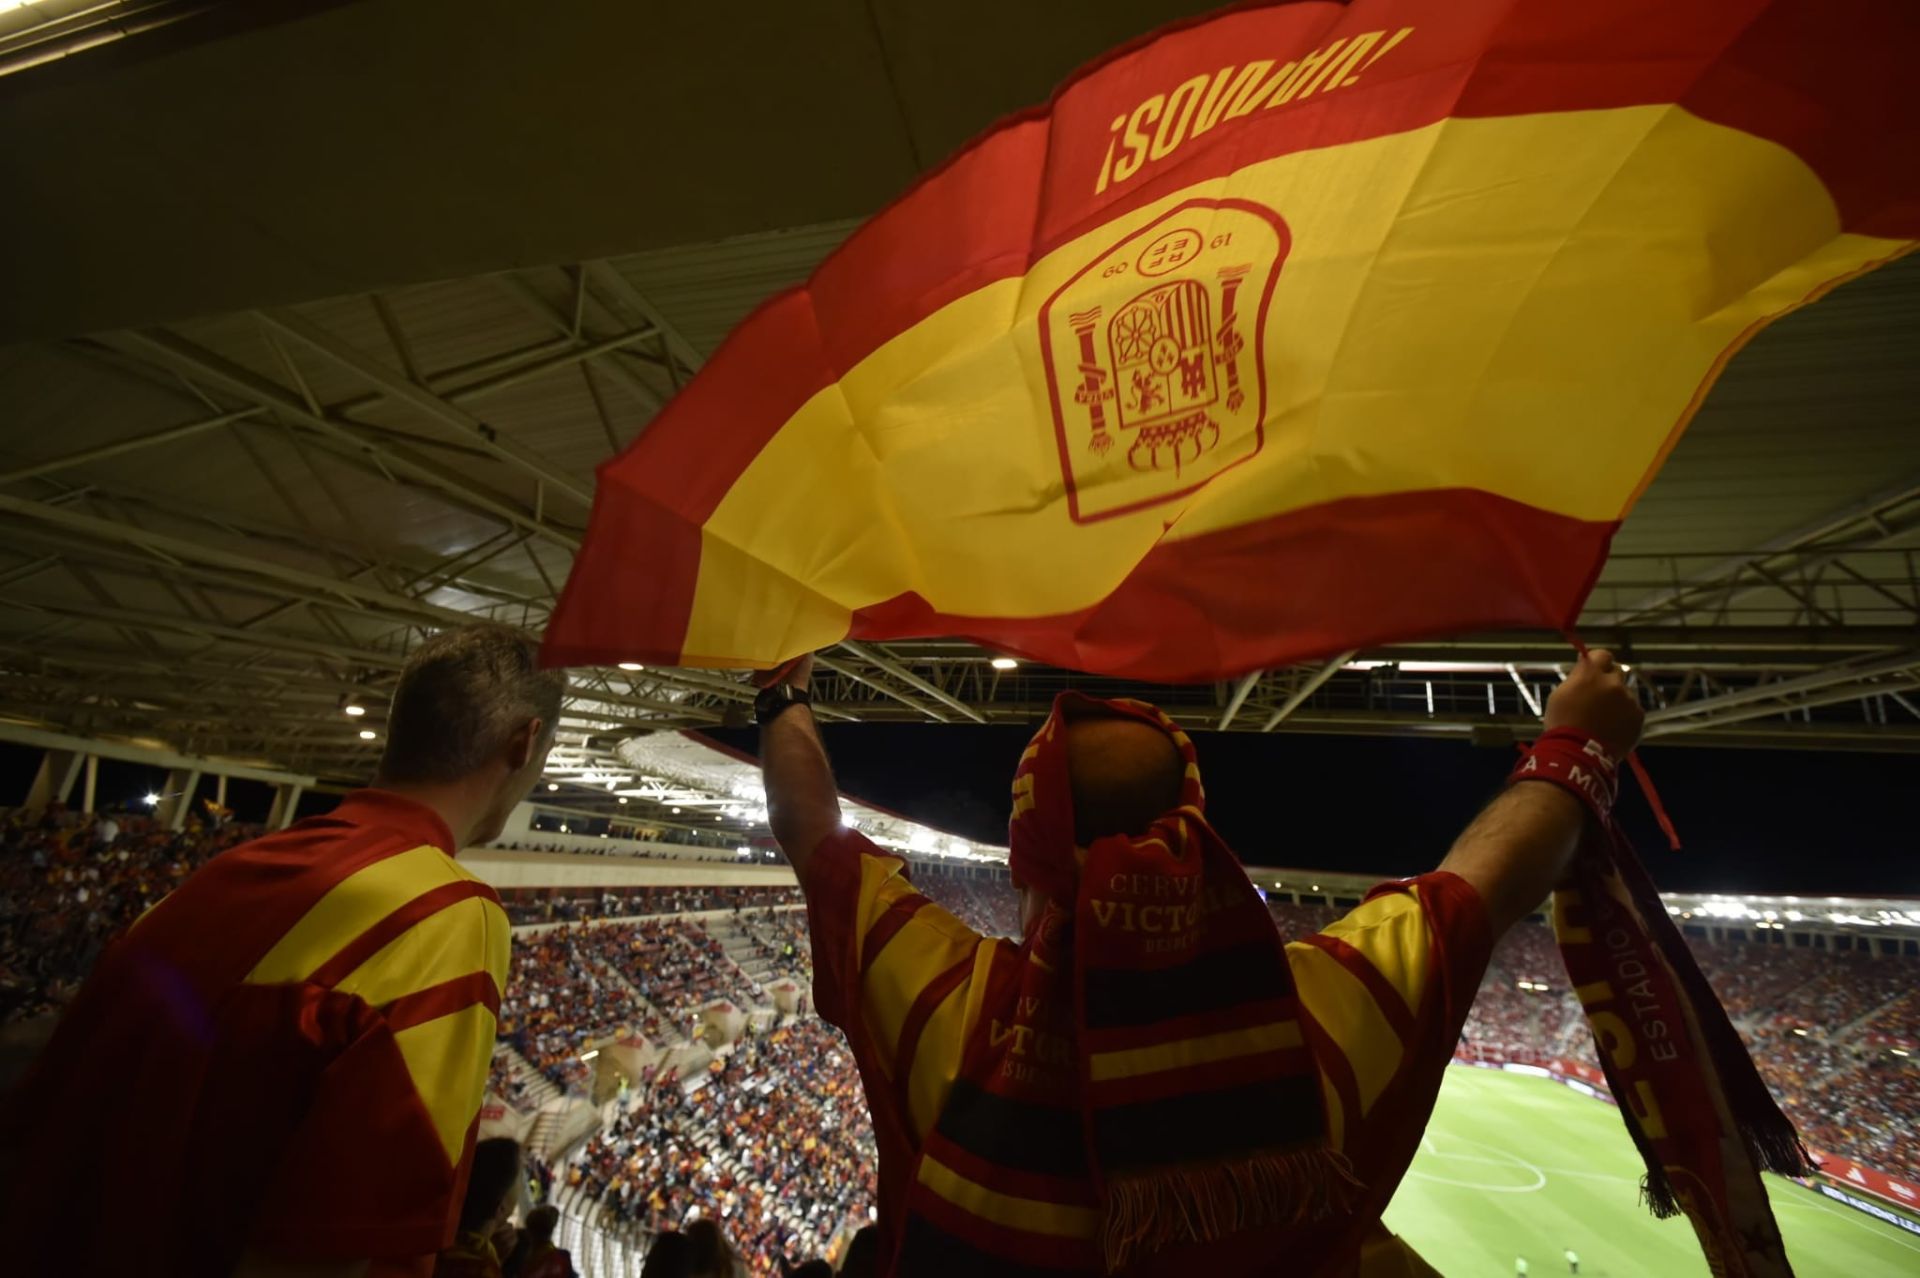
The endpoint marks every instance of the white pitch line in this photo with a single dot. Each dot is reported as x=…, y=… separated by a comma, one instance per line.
x=1849, y=1216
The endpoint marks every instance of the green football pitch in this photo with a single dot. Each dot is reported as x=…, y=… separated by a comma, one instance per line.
x=1513, y=1166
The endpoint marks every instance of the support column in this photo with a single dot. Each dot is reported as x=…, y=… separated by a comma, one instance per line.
x=177, y=798
x=92, y=786
x=286, y=800
x=220, y=790
x=54, y=782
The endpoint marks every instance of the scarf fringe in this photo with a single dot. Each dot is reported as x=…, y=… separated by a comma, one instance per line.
x=1202, y=1203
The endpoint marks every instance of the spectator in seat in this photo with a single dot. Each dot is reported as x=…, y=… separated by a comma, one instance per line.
x=280, y=1065
x=475, y=1252
x=534, y=1254
x=1248, y=1104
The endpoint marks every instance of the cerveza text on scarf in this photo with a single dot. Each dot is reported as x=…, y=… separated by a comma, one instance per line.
x=1173, y=924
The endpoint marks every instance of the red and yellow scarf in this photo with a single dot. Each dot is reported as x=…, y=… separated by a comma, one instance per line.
x=1692, y=1100
x=1177, y=1043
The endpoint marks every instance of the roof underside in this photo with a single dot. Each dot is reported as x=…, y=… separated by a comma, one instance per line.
x=217, y=529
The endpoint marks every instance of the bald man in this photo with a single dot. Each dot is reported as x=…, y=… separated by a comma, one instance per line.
x=1151, y=1081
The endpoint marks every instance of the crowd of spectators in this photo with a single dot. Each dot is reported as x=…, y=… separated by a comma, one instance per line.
x=575, y=984
x=70, y=882
x=1836, y=1034
x=772, y=1143
x=562, y=993
x=990, y=906
x=572, y=904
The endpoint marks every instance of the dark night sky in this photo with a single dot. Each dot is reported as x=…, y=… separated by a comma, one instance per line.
x=1752, y=820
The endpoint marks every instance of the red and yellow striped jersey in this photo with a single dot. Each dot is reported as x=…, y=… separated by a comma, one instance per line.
x=286, y=1054
x=1383, y=994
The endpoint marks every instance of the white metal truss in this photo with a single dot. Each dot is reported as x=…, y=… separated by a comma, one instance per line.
x=388, y=468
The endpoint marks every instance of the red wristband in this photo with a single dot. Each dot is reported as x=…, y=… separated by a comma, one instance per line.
x=1577, y=764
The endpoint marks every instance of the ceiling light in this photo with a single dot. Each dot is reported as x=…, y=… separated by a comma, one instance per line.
x=368, y=734
x=631, y=665
x=623, y=798
x=563, y=829
x=612, y=784
x=152, y=800
x=718, y=818
x=552, y=786
x=743, y=851
x=1004, y=663
x=587, y=1056
x=354, y=709
x=675, y=811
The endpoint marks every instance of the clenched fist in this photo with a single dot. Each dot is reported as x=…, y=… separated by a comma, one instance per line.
x=1595, y=700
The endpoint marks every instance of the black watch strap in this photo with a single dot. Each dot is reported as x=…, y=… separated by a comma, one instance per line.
x=773, y=701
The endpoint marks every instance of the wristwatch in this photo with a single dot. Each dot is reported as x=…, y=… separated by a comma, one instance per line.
x=774, y=700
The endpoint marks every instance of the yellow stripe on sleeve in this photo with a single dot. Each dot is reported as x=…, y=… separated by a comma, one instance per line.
x=350, y=908
x=1343, y=1007
x=1391, y=931
x=931, y=942
x=468, y=936
x=447, y=1059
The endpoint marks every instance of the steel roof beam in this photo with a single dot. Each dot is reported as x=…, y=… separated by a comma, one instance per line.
x=396, y=386
x=389, y=457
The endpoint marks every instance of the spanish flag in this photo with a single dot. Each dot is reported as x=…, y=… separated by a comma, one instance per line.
x=1292, y=329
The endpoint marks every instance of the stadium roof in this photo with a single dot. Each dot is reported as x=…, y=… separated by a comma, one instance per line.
x=290, y=387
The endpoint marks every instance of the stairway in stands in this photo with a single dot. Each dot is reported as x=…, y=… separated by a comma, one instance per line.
x=540, y=1088
x=742, y=951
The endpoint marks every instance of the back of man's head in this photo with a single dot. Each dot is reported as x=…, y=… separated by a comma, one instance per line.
x=463, y=697
x=541, y=1222
x=1124, y=773
x=670, y=1255
x=496, y=1170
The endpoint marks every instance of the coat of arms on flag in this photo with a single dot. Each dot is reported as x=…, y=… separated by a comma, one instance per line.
x=1292, y=329
x=1152, y=355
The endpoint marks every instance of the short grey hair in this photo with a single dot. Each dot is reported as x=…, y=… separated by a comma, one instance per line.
x=461, y=696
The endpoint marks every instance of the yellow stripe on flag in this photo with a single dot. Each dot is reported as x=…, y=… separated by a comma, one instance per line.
x=1510, y=282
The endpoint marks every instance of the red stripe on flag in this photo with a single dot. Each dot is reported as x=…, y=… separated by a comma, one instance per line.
x=1302, y=585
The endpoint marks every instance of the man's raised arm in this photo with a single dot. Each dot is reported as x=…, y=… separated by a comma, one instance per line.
x=1521, y=846
x=803, y=803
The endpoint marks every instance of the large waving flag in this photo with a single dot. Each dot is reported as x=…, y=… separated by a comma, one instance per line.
x=1292, y=329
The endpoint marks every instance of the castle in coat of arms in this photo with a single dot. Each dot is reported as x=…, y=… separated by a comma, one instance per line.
x=1152, y=355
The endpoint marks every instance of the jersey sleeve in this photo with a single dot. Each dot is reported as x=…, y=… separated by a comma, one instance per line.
x=895, y=972
x=378, y=1165
x=1387, y=988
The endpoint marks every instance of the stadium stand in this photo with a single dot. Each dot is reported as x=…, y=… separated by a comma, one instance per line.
x=769, y=1137
x=772, y=1141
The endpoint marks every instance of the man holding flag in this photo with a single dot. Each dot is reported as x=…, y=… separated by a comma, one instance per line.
x=1151, y=1080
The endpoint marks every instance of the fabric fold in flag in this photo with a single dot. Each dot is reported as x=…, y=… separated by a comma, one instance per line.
x=1293, y=329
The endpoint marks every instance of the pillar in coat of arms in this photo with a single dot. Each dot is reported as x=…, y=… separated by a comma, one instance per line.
x=1152, y=356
